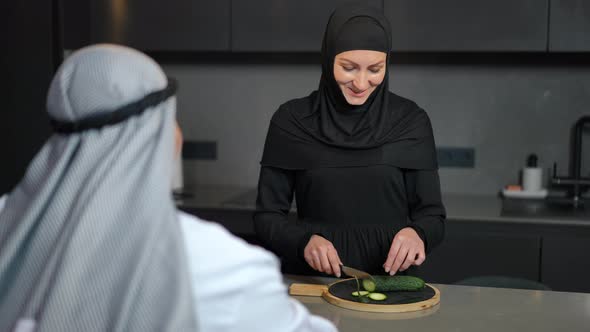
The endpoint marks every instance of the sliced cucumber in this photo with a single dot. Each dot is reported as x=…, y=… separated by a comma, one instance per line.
x=361, y=293
x=377, y=296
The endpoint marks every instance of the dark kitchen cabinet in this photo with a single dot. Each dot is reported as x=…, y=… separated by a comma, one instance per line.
x=469, y=253
x=298, y=26
x=569, y=26
x=566, y=263
x=150, y=25
x=467, y=25
x=282, y=25
x=237, y=221
x=29, y=56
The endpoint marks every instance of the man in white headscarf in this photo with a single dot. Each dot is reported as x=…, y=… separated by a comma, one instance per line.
x=90, y=239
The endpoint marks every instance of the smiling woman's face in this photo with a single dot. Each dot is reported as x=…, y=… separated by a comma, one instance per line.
x=358, y=73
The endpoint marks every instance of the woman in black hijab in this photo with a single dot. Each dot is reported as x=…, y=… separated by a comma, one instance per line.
x=360, y=160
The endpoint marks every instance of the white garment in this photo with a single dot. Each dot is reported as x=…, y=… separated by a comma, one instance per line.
x=237, y=286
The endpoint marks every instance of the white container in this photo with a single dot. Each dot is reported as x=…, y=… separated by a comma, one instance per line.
x=532, y=179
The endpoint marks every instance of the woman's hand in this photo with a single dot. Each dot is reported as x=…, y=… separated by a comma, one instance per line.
x=321, y=255
x=407, y=248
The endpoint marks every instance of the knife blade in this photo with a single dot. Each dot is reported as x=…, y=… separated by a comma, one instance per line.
x=349, y=271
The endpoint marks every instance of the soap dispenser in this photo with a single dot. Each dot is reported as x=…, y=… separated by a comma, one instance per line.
x=532, y=175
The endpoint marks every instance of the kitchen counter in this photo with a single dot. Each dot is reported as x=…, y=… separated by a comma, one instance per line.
x=465, y=308
x=460, y=207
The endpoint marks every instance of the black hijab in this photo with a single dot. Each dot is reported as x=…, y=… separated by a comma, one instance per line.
x=310, y=132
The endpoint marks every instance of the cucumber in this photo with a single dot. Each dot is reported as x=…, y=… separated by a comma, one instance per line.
x=377, y=296
x=361, y=293
x=393, y=283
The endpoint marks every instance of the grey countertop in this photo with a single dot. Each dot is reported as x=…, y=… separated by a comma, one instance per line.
x=487, y=208
x=465, y=308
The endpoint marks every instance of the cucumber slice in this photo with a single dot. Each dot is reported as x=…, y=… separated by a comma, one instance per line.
x=361, y=293
x=369, y=285
x=377, y=296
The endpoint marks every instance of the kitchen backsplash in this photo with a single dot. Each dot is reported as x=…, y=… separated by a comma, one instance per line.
x=503, y=112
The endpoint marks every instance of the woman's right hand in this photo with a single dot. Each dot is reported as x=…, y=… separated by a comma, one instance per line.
x=321, y=255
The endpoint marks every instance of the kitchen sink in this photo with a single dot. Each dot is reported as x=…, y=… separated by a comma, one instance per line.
x=551, y=207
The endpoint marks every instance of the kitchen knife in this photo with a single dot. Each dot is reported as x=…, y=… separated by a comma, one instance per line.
x=349, y=271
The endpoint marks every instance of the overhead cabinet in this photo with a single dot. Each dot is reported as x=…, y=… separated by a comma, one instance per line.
x=467, y=25
x=150, y=25
x=569, y=26
x=282, y=25
x=298, y=25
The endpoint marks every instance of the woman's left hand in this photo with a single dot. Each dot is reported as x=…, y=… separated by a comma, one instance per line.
x=407, y=248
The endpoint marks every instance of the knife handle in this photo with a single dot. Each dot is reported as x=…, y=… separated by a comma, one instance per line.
x=307, y=289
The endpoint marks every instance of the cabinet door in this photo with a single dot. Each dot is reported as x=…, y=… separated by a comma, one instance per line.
x=238, y=221
x=569, y=26
x=566, y=263
x=29, y=56
x=282, y=25
x=173, y=25
x=468, y=25
x=472, y=254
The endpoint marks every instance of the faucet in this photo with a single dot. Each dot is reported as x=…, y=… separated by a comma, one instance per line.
x=578, y=183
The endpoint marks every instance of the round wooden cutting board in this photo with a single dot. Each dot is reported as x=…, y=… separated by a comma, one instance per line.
x=340, y=294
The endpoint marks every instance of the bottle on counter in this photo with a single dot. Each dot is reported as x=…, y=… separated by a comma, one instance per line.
x=531, y=184
x=532, y=175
